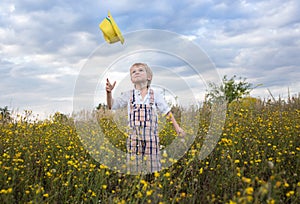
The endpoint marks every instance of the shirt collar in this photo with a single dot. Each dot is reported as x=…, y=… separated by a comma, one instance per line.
x=137, y=93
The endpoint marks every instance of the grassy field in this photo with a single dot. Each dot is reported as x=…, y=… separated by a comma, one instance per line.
x=257, y=160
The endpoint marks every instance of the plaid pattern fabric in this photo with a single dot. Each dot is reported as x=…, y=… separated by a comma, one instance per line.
x=143, y=140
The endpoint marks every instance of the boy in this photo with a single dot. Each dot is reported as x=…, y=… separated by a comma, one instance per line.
x=142, y=102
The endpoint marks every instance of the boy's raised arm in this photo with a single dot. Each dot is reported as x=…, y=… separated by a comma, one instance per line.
x=109, y=88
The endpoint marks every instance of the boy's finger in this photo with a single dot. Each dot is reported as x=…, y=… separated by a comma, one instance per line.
x=114, y=84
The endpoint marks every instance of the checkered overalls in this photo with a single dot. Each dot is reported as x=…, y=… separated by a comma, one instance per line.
x=143, y=140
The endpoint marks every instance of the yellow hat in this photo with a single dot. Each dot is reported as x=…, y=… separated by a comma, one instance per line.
x=110, y=30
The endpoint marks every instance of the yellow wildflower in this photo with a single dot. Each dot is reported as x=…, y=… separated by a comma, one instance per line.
x=290, y=193
x=249, y=190
x=246, y=180
x=149, y=193
x=167, y=174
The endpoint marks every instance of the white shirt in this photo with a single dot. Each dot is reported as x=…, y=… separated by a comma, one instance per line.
x=124, y=100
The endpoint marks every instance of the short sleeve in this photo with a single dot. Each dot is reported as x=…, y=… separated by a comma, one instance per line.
x=121, y=101
x=161, y=103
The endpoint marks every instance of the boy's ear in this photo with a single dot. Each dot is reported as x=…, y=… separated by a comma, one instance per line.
x=131, y=78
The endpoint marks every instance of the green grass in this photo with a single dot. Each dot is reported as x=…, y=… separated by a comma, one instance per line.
x=256, y=160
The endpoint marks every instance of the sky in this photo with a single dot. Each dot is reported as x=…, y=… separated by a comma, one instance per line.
x=45, y=46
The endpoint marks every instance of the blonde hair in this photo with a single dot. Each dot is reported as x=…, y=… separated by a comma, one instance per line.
x=148, y=71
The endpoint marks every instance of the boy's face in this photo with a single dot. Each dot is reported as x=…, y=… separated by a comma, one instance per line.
x=139, y=74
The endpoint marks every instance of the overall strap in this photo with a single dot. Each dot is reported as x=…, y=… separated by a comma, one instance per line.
x=132, y=97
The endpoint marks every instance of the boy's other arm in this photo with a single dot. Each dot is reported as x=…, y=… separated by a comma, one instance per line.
x=177, y=128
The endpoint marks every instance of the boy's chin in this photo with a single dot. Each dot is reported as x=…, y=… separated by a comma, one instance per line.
x=139, y=81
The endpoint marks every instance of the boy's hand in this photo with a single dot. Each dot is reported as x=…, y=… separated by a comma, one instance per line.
x=109, y=86
x=180, y=132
